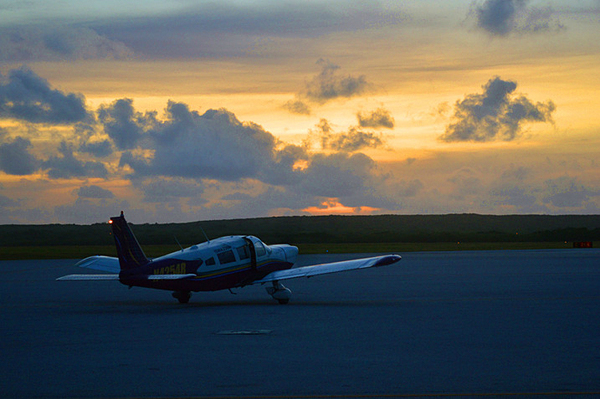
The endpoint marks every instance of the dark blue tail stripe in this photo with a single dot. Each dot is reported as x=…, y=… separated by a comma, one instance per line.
x=129, y=251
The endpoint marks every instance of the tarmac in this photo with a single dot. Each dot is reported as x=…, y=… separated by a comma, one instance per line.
x=437, y=324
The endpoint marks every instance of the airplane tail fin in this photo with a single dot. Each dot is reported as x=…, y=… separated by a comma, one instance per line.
x=129, y=250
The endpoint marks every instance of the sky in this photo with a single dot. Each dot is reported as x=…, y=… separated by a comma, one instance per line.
x=195, y=110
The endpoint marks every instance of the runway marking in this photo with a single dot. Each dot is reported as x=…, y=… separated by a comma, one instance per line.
x=243, y=332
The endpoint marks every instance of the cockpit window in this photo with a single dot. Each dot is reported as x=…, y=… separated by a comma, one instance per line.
x=210, y=261
x=243, y=252
x=260, y=249
x=226, y=257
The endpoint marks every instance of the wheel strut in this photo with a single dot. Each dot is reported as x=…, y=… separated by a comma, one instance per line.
x=182, y=296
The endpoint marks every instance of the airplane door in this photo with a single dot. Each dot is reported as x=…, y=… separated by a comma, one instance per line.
x=252, y=252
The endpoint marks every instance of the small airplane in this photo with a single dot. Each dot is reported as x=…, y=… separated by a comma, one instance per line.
x=222, y=263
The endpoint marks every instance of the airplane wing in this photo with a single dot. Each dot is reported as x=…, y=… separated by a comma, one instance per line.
x=112, y=277
x=327, y=268
x=111, y=264
x=103, y=263
x=89, y=277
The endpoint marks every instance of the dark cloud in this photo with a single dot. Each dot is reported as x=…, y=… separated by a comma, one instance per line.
x=97, y=148
x=85, y=210
x=502, y=17
x=86, y=135
x=28, y=97
x=541, y=20
x=466, y=183
x=93, y=191
x=52, y=43
x=67, y=166
x=123, y=124
x=6, y=202
x=168, y=190
x=519, y=173
x=354, y=179
x=381, y=117
x=516, y=196
x=15, y=158
x=567, y=192
x=218, y=29
x=170, y=155
x=213, y=145
x=498, y=16
x=330, y=85
x=337, y=175
x=494, y=115
x=297, y=107
x=353, y=140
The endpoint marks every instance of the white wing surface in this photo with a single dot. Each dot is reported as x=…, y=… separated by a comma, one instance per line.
x=326, y=268
x=112, y=277
x=89, y=277
x=103, y=263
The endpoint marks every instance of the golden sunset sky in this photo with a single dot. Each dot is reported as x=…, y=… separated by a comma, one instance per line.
x=194, y=110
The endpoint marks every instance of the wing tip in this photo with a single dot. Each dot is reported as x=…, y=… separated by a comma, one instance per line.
x=388, y=260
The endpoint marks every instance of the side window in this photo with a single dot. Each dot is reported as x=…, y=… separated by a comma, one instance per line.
x=210, y=261
x=243, y=252
x=260, y=249
x=226, y=257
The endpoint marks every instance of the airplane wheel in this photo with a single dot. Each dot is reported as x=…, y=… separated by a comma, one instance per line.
x=182, y=296
x=283, y=301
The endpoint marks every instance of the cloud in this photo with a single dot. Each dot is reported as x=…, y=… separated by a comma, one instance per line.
x=494, y=115
x=567, y=192
x=519, y=173
x=502, y=17
x=213, y=145
x=169, y=190
x=330, y=85
x=97, y=148
x=381, y=117
x=327, y=86
x=353, y=140
x=93, y=191
x=85, y=210
x=6, y=202
x=67, y=166
x=123, y=124
x=26, y=96
x=55, y=43
x=297, y=107
x=15, y=158
x=231, y=29
x=466, y=183
x=516, y=196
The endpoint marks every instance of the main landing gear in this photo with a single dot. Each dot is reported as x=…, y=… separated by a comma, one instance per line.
x=182, y=296
x=279, y=292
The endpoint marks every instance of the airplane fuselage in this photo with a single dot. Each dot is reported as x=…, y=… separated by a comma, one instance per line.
x=223, y=263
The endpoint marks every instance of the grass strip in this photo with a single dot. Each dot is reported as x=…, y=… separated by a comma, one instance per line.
x=152, y=251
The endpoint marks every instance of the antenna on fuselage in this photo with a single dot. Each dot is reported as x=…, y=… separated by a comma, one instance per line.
x=176, y=240
x=207, y=239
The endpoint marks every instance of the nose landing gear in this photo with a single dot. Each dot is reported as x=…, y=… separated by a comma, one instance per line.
x=279, y=292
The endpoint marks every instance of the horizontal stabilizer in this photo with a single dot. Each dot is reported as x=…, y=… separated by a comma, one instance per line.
x=327, y=268
x=90, y=277
x=169, y=276
x=103, y=263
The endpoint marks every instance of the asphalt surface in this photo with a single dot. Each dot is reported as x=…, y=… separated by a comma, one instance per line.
x=508, y=323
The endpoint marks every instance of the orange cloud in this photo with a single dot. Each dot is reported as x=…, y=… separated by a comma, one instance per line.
x=333, y=207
